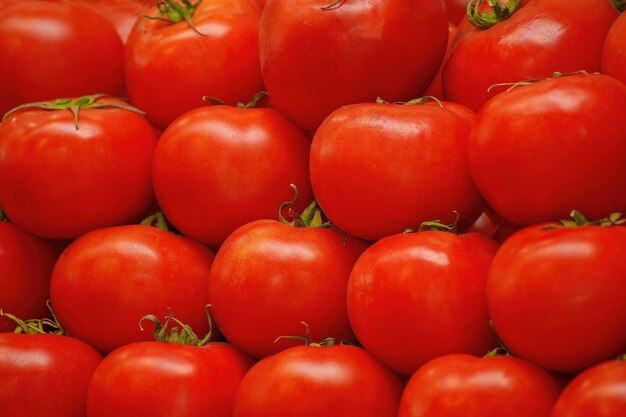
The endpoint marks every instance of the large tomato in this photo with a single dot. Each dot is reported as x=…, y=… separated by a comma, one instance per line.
x=217, y=168
x=171, y=66
x=318, y=55
x=50, y=50
x=538, y=39
x=377, y=169
x=557, y=297
x=63, y=175
x=614, y=53
x=539, y=151
x=416, y=296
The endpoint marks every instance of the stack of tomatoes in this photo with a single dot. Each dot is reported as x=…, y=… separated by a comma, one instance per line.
x=370, y=208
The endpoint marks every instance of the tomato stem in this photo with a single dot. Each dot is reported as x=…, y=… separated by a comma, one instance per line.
x=157, y=220
x=312, y=216
x=437, y=225
x=556, y=74
x=37, y=326
x=578, y=220
x=176, y=12
x=500, y=10
x=331, y=6
x=501, y=346
x=412, y=102
x=306, y=339
x=184, y=336
x=254, y=101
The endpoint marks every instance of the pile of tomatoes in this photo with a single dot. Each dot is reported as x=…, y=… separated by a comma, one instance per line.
x=249, y=208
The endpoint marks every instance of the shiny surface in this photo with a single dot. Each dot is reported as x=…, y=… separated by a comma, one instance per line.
x=614, y=52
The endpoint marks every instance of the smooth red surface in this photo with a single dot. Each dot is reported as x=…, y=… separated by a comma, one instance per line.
x=435, y=88
x=121, y=13
x=614, y=52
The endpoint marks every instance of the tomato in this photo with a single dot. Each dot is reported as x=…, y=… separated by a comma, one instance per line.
x=217, y=168
x=162, y=380
x=541, y=150
x=538, y=39
x=317, y=56
x=50, y=50
x=463, y=385
x=456, y=10
x=106, y=280
x=557, y=297
x=413, y=297
x=435, y=88
x=26, y=264
x=268, y=277
x=596, y=392
x=614, y=52
x=377, y=169
x=44, y=375
x=171, y=66
x=310, y=381
x=491, y=224
x=121, y=13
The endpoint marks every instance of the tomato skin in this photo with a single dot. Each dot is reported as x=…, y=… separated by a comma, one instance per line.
x=456, y=10
x=152, y=379
x=540, y=38
x=361, y=149
x=559, y=133
x=378, y=48
x=44, y=375
x=108, y=279
x=464, y=385
x=614, y=52
x=435, y=88
x=123, y=14
x=170, y=67
x=242, y=160
x=49, y=33
x=269, y=277
x=595, y=392
x=59, y=182
x=313, y=381
x=556, y=297
x=413, y=297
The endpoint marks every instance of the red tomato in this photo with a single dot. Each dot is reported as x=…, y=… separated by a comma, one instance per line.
x=121, y=13
x=538, y=39
x=435, y=88
x=377, y=169
x=541, y=150
x=468, y=115
x=316, y=59
x=268, y=277
x=558, y=297
x=312, y=381
x=106, y=280
x=456, y=10
x=416, y=296
x=153, y=379
x=44, y=375
x=217, y=168
x=614, y=52
x=463, y=385
x=59, y=182
x=170, y=66
x=50, y=50
x=596, y=392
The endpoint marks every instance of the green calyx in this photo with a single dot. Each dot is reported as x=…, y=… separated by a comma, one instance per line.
x=332, y=5
x=37, y=326
x=174, y=12
x=183, y=336
x=311, y=216
x=438, y=225
x=157, y=220
x=484, y=19
x=74, y=105
x=556, y=74
x=254, y=101
x=421, y=100
x=306, y=339
x=578, y=220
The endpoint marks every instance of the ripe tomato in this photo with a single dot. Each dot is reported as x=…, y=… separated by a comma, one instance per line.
x=557, y=297
x=614, y=52
x=121, y=13
x=435, y=88
x=538, y=39
x=217, y=168
x=171, y=66
x=60, y=181
x=463, y=385
x=377, y=169
x=456, y=10
x=316, y=59
x=312, y=381
x=44, y=375
x=106, y=280
x=541, y=150
x=50, y=50
x=415, y=296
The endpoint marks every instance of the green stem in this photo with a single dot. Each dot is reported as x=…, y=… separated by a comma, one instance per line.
x=437, y=225
x=37, y=326
x=184, y=336
x=499, y=11
x=415, y=101
x=306, y=339
x=254, y=101
x=157, y=220
x=310, y=217
x=331, y=6
x=175, y=12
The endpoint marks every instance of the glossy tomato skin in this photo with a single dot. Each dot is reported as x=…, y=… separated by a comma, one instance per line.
x=540, y=38
x=152, y=379
x=362, y=149
x=59, y=182
x=416, y=296
x=50, y=50
x=268, y=277
x=540, y=151
x=556, y=296
x=307, y=381
x=596, y=392
x=614, y=52
x=107, y=280
x=315, y=60
x=44, y=375
x=435, y=88
x=26, y=264
x=464, y=385
x=217, y=168
x=121, y=13
x=170, y=67
x=456, y=10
